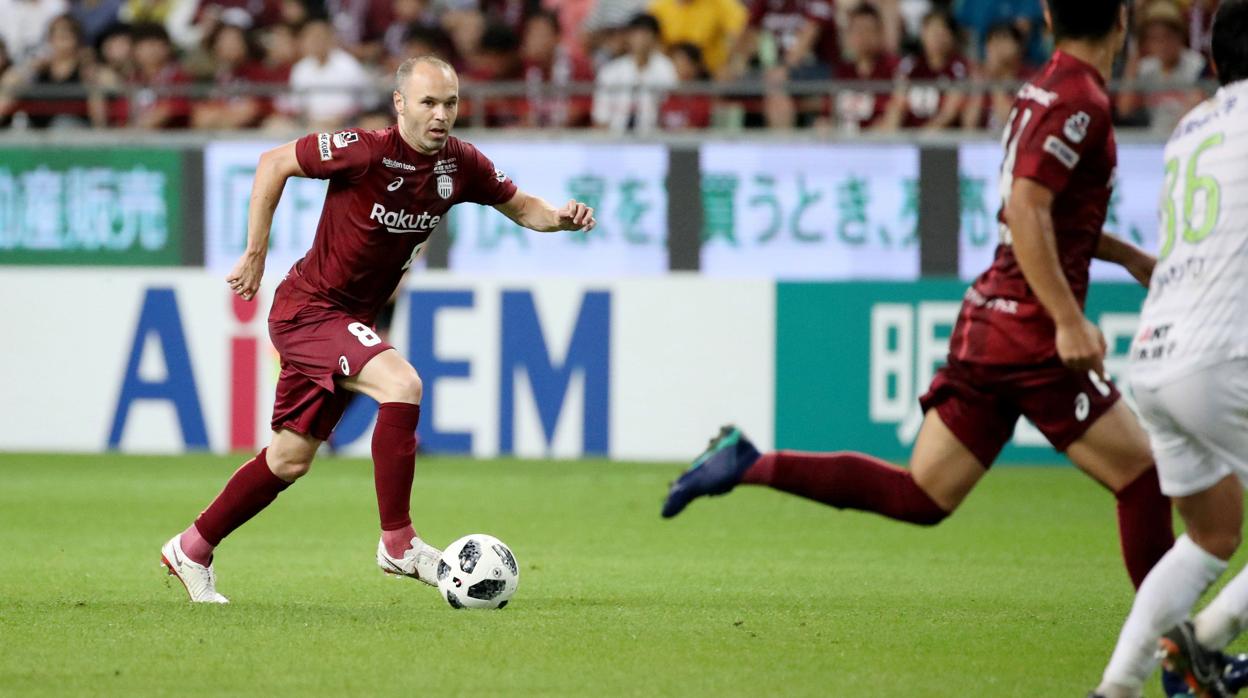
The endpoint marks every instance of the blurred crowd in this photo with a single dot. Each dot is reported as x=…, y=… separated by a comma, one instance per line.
x=622, y=65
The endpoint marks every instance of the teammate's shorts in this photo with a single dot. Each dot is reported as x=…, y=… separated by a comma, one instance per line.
x=1198, y=427
x=316, y=346
x=981, y=403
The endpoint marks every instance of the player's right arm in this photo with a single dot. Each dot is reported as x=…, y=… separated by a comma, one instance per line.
x=275, y=167
x=1029, y=215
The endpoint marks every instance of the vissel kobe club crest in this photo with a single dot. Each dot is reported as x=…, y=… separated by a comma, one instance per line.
x=444, y=186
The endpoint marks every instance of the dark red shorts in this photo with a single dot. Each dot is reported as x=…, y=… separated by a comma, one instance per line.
x=980, y=403
x=317, y=345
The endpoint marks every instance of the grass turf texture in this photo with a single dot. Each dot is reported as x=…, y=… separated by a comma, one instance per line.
x=1020, y=594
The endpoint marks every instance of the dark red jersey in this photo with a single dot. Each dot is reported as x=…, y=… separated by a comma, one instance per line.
x=1058, y=135
x=864, y=108
x=923, y=102
x=384, y=200
x=783, y=19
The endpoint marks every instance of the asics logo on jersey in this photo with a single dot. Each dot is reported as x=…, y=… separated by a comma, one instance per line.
x=395, y=184
x=402, y=221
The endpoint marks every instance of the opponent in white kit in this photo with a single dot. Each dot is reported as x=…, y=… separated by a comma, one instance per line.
x=1189, y=375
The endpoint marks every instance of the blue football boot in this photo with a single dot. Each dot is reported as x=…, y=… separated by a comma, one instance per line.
x=716, y=471
x=1235, y=672
x=1202, y=669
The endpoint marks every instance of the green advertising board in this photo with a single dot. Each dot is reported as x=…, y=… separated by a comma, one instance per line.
x=852, y=360
x=98, y=206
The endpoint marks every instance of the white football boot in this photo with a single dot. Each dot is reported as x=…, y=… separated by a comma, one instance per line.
x=200, y=581
x=420, y=562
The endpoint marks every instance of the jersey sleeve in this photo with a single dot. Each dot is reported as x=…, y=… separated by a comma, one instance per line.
x=1050, y=150
x=484, y=183
x=344, y=154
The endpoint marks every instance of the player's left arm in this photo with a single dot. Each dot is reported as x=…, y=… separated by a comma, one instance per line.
x=535, y=213
x=1137, y=262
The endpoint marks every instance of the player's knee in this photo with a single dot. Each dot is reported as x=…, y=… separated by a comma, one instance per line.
x=407, y=387
x=290, y=469
x=1221, y=544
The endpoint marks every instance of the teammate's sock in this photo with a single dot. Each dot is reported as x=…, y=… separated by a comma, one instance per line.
x=1226, y=616
x=848, y=481
x=394, y=466
x=251, y=488
x=1163, y=600
x=1144, y=525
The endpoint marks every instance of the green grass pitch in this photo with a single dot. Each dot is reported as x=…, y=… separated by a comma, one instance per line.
x=1020, y=594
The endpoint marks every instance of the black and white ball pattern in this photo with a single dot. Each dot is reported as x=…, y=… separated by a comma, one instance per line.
x=478, y=571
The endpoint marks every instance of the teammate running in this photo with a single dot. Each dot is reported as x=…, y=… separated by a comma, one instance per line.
x=387, y=192
x=1189, y=374
x=1021, y=345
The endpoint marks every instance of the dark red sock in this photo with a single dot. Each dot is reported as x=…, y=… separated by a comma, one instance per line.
x=1144, y=524
x=251, y=488
x=394, y=462
x=848, y=481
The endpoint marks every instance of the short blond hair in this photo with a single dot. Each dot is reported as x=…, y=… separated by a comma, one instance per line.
x=406, y=67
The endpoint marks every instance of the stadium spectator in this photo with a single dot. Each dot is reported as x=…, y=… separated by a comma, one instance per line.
x=420, y=40
x=548, y=71
x=331, y=86
x=412, y=19
x=1003, y=64
x=711, y=25
x=176, y=16
x=980, y=16
x=238, y=65
x=631, y=87
x=24, y=25
x=496, y=60
x=682, y=111
x=868, y=61
x=894, y=18
x=280, y=44
x=785, y=41
x=6, y=66
x=933, y=107
x=249, y=14
x=360, y=26
x=572, y=15
x=115, y=49
x=1163, y=59
x=158, y=81
x=67, y=63
x=95, y=17
x=606, y=27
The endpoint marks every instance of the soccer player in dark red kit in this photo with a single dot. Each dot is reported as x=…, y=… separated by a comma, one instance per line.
x=388, y=190
x=1021, y=345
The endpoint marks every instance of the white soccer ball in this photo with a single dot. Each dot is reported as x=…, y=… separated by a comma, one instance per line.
x=478, y=571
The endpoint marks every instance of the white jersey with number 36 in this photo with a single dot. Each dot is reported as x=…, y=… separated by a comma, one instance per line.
x=1196, y=314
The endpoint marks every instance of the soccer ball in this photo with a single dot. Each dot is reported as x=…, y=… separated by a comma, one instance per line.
x=478, y=571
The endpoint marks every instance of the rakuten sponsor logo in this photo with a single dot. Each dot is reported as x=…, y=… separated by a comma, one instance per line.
x=402, y=221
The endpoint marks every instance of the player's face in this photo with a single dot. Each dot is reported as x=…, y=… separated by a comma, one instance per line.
x=427, y=106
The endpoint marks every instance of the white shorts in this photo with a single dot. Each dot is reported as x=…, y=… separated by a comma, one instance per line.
x=1198, y=427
